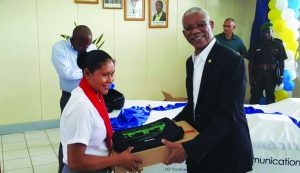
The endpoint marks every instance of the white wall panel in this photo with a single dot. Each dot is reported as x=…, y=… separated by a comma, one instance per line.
x=148, y=60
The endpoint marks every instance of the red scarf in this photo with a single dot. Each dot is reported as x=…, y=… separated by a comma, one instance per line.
x=98, y=102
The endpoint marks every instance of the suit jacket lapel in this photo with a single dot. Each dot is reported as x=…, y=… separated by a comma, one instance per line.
x=189, y=80
x=207, y=68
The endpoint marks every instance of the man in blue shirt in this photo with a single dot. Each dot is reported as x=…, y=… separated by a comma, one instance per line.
x=64, y=59
x=230, y=40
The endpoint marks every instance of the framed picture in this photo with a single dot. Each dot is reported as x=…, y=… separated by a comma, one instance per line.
x=87, y=1
x=114, y=4
x=134, y=9
x=158, y=13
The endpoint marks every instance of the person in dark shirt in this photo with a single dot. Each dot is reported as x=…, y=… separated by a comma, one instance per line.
x=266, y=64
x=229, y=39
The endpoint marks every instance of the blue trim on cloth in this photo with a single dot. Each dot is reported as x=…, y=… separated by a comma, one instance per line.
x=252, y=110
x=169, y=107
x=137, y=116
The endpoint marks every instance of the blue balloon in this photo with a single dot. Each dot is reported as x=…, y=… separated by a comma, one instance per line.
x=112, y=86
x=294, y=4
x=287, y=76
x=262, y=101
x=289, y=86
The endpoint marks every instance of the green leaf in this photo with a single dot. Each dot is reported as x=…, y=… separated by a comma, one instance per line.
x=100, y=45
x=98, y=41
x=65, y=36
x=99, y=38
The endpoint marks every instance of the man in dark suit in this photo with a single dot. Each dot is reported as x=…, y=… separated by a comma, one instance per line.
x=215, y=84
x=160, y=15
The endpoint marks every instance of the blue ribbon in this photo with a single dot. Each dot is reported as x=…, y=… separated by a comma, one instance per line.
x=137, y=116
x=169, y=107
x=252, y=110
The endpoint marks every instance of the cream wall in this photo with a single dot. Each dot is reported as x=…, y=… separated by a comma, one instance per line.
x=148, y=60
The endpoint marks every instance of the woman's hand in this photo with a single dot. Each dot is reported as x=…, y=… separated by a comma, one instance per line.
x=129, y=161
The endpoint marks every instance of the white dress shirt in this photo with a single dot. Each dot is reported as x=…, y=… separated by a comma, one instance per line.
x=81, y=123
x=199, y=62
x=64, y=59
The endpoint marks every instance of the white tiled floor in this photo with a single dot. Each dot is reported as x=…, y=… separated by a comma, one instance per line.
x=30, y=152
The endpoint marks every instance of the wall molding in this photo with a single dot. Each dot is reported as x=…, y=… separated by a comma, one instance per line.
x=22, y=127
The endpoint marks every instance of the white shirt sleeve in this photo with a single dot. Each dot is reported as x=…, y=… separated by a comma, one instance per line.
x=79, y=123
x=91, y=47
x=62, y=61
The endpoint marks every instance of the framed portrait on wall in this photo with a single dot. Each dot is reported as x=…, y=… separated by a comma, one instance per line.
x=86, y=1
x=158, y=13
x=113, y=4
x=134, y=9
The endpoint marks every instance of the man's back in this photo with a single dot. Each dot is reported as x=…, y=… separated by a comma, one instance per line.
x=64, y=59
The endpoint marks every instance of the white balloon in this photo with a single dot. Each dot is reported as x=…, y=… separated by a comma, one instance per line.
x=290, y=93
x=289, y=64
x=281, y=4
x=293, y=74
x=293, y=23
x=290, y=59
x=280, y=87
x=290, y=54
x=288, y=14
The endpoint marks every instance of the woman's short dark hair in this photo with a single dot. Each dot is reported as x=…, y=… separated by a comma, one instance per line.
x=93, y=60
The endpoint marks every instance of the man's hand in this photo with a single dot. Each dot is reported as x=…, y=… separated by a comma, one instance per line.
x=177, y=152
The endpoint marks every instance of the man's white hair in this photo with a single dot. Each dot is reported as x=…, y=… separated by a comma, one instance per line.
x=196, y=10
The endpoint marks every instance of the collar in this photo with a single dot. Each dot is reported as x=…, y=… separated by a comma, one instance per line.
x=268, y=41
x=98, y=102
x=233, y=37
x=159, y=14
x=203, y=55
x=70, y=44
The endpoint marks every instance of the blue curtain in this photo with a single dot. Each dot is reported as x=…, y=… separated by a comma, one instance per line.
x=261, y=16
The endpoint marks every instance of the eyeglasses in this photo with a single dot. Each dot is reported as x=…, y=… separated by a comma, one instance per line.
x=200, y=25
x=227, y=26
